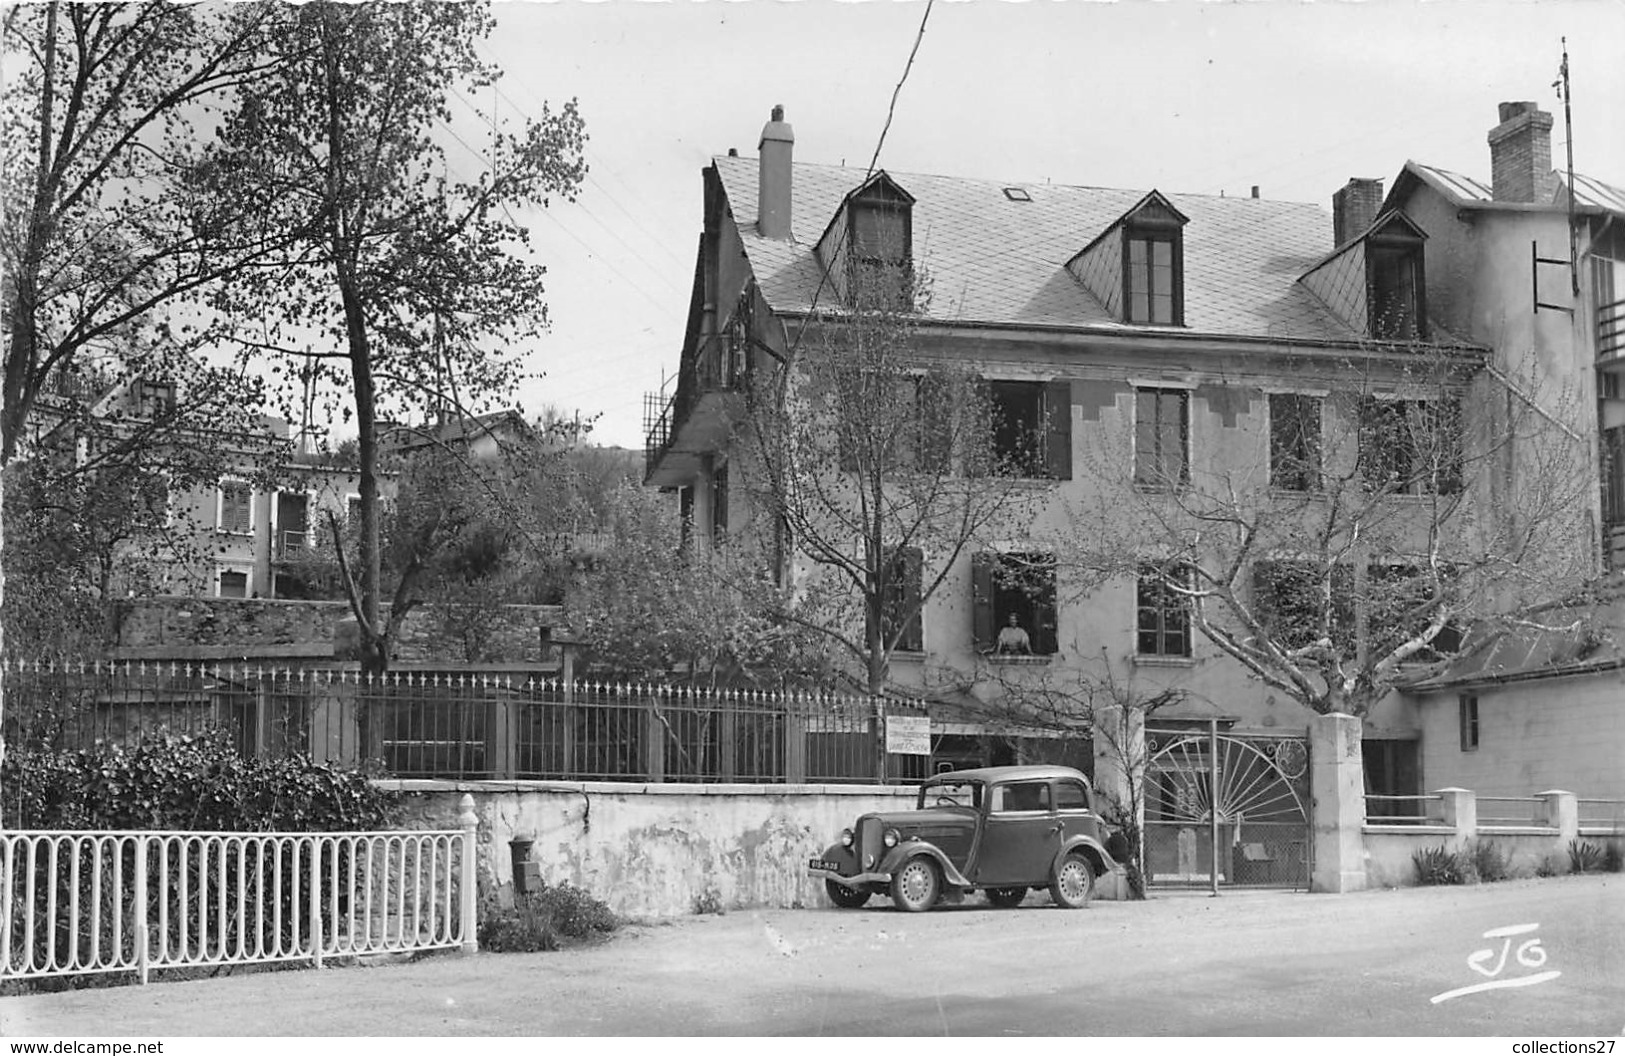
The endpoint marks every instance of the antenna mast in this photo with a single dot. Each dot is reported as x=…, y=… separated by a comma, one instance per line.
x=1562, y=86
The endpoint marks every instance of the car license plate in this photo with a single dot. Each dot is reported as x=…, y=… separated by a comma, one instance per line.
x=819, y=863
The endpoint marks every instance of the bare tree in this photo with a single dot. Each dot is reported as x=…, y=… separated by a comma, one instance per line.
x=874, y=460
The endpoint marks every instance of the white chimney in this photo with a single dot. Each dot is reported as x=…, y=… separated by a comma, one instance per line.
x=773, y=186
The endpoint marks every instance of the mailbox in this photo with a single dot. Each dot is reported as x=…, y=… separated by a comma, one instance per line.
x=527, y=875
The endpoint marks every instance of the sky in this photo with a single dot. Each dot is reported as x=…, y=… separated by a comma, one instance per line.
x=1180, y=95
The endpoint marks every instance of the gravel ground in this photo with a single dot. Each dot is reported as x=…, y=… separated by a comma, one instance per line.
x=1244, y=963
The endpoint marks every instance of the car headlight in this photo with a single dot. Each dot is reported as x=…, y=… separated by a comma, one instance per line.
x=846, y=837
x=890, y=838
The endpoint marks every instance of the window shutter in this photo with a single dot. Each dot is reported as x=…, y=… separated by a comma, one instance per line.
x=1058, y=430
x=912, y=568
x=981, y=573
x=980, y=456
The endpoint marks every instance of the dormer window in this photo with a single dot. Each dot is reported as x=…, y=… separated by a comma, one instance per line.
x=1395, y=296
x=880, y=243
x=1154, y=264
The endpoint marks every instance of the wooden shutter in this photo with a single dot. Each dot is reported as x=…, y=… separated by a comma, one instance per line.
x=982, y=568
x=1057, y=408
x=911, y=567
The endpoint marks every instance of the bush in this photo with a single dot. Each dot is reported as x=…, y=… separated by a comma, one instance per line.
x=167, y=781
x=194, y=782
x=1489, y=862
x=1437, y=865
x=542, y=919
x=1585, y=857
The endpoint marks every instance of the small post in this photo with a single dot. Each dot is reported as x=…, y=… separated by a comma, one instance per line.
x=1459, y=809
x=314, y=901
x=471, y=824
x=1561, y=811
x=141, y=912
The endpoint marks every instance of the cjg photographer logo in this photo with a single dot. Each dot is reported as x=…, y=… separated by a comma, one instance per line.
x=1492, y=962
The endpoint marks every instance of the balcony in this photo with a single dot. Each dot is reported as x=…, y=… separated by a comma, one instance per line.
x=291, y=542
x=1611, y=334
x=694, y=423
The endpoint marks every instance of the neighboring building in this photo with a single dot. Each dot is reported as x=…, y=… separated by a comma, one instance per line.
x=1164, y=333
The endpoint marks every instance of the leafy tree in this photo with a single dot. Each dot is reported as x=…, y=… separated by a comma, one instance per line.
x=100, y=238
x=403, y=284
x=650, y=606
x=876, y=462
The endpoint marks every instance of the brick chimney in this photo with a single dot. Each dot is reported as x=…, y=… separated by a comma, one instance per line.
x=1521, y=155
x=1354, y=207
x=773, y=179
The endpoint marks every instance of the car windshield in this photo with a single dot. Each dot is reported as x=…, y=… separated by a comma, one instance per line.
x=951, y=794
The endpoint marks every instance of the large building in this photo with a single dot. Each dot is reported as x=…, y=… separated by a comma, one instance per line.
x=1140, y=347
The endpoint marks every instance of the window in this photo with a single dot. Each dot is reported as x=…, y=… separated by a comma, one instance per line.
x=155, y=399
x=1289, y=601
x=1401, y=601
x=153, y=505
x=1613, y=475
x=1013, y=603
x=1069, y=795
x=933, y=424
x=352, y=509
x=1019, y=797
x=292, y=523
x=1391, y=769
x=900, y=597
x=1294, y=442
x=1161, y=437
x=1410, y=447
x=685, y=516
x=1467, y=708
x=1031, y=427
x=880, y=236
x=232, y=583
x=235, y=510
x=1394, y=289
x=1151, y=277
x=1163, y=614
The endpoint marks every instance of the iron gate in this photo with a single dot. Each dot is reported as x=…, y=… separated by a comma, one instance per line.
x=1226, y=809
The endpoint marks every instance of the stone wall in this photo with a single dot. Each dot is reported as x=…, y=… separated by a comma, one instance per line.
x=183, y=628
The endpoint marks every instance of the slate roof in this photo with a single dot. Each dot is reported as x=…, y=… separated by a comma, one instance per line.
x=1002, y=262
x=1570, y=642
x=1589, y=192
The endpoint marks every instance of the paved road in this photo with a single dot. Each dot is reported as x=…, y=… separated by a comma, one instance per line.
x=1246, y=963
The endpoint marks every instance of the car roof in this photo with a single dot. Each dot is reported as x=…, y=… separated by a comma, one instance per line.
x=991, y=774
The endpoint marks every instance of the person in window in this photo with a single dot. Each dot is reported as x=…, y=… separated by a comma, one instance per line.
x=1012, y=639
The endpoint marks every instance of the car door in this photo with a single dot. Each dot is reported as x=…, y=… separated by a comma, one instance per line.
x=1072, y=810
x=1020, y=835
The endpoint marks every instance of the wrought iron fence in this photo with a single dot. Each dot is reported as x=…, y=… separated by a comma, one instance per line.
x=1401, y=810
x=1511, y=811
x=76, y=903
x=470, y=725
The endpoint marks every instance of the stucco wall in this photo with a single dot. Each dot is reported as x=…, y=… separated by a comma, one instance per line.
x=1388, y=851
x=1560, y=733
x=654, y=850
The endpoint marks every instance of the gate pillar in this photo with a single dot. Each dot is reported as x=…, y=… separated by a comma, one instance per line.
x=1338, y=812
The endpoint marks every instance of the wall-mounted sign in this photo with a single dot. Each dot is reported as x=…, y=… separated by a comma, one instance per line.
x=908, y=734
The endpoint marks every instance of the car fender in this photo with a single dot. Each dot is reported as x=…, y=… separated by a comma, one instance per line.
x=848, y=858
x=1091, y=849
x=895, y=858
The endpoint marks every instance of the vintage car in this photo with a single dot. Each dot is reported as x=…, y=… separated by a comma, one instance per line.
x=1001, y=830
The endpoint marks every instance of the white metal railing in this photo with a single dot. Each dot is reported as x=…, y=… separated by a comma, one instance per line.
x=1510, y=811
x=77, y=902
x=1420, y=812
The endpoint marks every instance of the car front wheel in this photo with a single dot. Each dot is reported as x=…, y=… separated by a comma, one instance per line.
x=846, y=897
x=915, y=885
x=1005, y=897
x=1073, y=883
